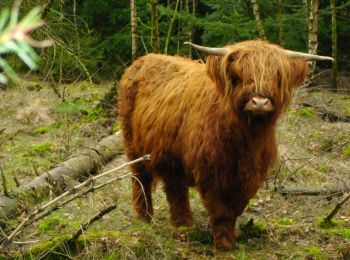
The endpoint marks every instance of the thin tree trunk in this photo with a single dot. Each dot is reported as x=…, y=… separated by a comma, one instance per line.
x=154, y=27
x=76, y=24
x=179, y=26
x=258, y=19
x=313, y=28
x=171, y=28
x=280, y=22
x=192, y=26
x=189, y=25
x=46, y=9
x=334, y=46
x=133, y=18
x=76, y=168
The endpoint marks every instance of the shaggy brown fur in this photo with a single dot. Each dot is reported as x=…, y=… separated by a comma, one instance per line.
x=189, y=117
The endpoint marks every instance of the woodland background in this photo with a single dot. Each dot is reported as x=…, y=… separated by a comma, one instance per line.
x=93, y=38
x=53, y=117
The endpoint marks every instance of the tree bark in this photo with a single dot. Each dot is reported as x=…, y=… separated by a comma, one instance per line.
x=170, y=28
x=280, y=22
x=133, y=18
x=76, y=168
x=192, y=26
x=334, y=46
x=313, y=28
x=258, y=19
x=154, y=27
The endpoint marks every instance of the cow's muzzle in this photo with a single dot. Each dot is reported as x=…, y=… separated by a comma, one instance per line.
x=258, y=106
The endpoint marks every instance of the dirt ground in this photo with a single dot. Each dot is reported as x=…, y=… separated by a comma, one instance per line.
x=38, y=130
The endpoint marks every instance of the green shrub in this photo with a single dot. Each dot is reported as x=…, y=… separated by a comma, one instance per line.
x=347, y=151
x=306, y=112
x=41, y=148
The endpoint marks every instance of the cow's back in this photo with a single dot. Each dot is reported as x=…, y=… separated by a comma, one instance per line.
x=157, y=95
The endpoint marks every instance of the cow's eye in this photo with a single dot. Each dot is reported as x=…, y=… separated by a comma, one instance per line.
x=235, y=80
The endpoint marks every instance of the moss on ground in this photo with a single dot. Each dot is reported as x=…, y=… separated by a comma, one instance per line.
x=314, y=155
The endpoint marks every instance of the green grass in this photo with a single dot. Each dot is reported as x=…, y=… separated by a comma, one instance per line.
x=314, y=155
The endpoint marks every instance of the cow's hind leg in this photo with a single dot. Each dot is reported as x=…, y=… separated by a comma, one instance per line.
x=178, y=198
x=142, y=192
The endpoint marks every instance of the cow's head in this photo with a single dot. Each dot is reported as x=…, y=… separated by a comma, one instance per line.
x=257, y=77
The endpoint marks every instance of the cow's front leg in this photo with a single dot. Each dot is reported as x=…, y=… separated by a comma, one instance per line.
x=222, y=218
x=223, y=233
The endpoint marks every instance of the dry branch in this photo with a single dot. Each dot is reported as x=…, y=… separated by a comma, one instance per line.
x=329, y=217
x=73, y=190
x=302, y=192
x=78, y=195
x=76, y=168
x=96, y=217
x=78, y=232
x=4, y=183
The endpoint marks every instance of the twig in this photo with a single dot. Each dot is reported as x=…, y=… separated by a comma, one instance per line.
x=26, y=242
x=91, y=189
x=96, y=217
x=301, y=192
x=337, y=207
x=46, y=9
x=79, y=231
x=35, y=170
x=4, y=184
x=65, y=194
x=278, y=172
x=3, y=233
x=16, y=180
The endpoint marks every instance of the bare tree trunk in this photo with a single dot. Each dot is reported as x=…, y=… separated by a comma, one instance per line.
x=170, y=28
x=280, y=22
x=133, y=18
x=313, y=28
x=154, y=27
x=258, y=19
x=334, y=46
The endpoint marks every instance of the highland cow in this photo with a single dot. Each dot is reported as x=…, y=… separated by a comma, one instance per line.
x=210, y=125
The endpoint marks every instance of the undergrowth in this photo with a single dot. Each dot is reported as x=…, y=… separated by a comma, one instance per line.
x=313, y=155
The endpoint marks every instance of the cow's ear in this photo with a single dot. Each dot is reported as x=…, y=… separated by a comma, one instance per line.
x=214, y=70
x=299, y=71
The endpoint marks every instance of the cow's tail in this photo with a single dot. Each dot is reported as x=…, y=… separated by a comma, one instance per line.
x=128, y=88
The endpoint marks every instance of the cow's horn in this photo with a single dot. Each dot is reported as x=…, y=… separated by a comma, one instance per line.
x=209, y=50
x=307, y=56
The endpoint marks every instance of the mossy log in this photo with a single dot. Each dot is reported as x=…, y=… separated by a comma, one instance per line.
x=76, y=168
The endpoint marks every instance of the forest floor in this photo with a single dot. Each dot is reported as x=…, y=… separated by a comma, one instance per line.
x=38, y=130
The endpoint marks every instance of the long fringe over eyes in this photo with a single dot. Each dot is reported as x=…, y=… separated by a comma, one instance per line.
x=264, y=66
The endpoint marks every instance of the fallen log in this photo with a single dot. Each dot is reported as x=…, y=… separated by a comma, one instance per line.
x=328, y=193
x=76, y=168
x=327, y=115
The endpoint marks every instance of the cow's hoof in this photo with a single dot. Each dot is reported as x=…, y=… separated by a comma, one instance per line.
x=224, y=244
